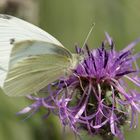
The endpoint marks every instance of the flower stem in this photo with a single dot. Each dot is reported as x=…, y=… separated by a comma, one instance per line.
x=107, y=137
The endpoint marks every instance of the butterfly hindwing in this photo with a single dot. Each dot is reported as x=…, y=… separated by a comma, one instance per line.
x=31, y=71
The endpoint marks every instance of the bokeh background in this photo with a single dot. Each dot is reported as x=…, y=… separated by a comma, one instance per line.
x=69, y=21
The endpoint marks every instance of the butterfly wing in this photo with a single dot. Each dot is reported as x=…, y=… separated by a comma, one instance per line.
x=35, y=64
x=13, y=30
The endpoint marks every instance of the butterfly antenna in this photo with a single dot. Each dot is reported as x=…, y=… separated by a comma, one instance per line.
x=88, y=35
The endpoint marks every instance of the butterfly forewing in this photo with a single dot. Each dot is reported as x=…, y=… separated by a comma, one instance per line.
x=13, y=30
x=28, y=48
x=30, y=58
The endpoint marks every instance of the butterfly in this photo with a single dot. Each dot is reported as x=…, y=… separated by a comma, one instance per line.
x=30, y=58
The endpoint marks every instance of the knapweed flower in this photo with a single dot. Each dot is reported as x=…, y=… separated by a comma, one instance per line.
x=97, y=96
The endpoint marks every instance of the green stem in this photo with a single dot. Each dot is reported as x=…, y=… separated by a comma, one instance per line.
x=107, y=137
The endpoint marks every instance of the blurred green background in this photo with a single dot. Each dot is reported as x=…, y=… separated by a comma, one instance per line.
x=69, y=21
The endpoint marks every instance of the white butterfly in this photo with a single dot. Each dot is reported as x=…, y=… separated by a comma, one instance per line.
x=30, y=58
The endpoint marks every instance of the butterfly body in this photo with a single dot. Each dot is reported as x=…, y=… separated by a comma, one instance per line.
x=30, y=58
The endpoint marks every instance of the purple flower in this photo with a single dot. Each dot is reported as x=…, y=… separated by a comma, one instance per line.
x=96, y=97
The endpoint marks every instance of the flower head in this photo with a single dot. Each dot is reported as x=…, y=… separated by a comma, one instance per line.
x=96, y=97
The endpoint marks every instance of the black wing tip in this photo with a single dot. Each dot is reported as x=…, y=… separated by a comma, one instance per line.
x=4, y=16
